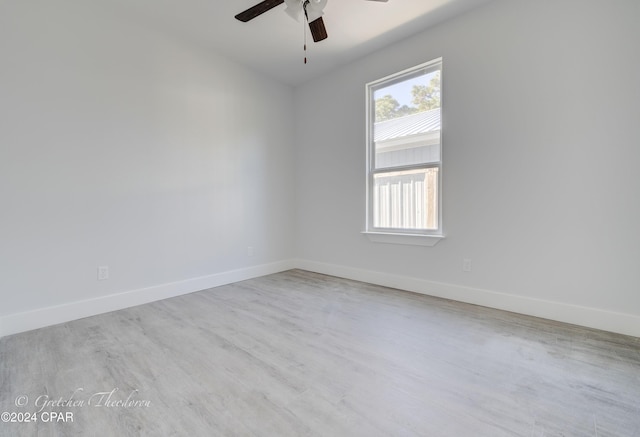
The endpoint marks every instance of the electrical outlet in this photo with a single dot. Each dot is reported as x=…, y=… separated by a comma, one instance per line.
x=466, y=265
x=103, y=273
x=250, y=251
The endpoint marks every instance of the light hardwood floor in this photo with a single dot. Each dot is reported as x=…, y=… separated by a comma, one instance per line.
x=302, y=354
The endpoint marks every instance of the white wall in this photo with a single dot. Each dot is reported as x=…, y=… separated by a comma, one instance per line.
x=541, y=189
x=121, y=146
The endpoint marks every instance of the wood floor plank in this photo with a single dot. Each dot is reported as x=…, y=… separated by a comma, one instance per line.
x=304, y=354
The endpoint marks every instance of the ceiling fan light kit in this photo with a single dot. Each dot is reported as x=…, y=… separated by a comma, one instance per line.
x=313, y=9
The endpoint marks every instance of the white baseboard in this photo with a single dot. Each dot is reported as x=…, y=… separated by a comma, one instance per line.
x=39, y=318
x=578, y=315
x=621, y=323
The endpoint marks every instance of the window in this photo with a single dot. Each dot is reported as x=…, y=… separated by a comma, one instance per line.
x=404, y=153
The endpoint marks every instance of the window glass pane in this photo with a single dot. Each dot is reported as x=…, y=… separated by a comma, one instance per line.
x=406, y=129
x=404, y=155
x=406, y=199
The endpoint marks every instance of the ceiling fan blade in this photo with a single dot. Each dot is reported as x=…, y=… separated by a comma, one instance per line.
x=318, y=31
x=258, y=9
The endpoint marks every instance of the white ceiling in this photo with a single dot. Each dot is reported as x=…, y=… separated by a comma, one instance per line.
x=273, y=42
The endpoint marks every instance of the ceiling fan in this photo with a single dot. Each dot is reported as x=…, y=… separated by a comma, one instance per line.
x=312, y=10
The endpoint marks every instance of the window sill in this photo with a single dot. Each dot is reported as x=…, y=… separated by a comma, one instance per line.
x=408, y=239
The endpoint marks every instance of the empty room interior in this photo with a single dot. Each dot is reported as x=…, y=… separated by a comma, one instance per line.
x=320, y=218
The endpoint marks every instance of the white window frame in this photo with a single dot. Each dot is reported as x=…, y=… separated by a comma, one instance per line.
x=421, y=237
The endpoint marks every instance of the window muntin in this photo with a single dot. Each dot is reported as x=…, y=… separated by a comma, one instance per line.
x=404, y=151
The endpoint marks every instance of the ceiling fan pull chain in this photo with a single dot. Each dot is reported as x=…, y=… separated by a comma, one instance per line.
x=304, y=35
